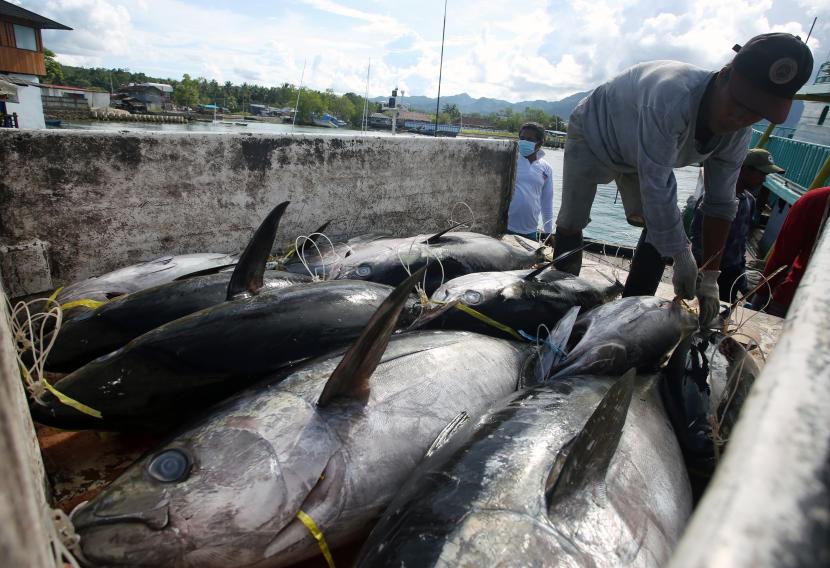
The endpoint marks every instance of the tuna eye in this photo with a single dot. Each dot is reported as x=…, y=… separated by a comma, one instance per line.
x=471, y=297
x=169, y=466
x=363, y=270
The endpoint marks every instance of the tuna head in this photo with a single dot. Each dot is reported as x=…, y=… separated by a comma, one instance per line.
x=639, y=331
x=219, y=494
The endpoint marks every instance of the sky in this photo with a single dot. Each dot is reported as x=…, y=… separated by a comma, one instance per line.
x=505, y=50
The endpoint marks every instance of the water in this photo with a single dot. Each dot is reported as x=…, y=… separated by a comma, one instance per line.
x=222, y=126
x=607, y=216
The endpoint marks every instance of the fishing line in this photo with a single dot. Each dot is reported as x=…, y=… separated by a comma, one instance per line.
x=302, y=252
x=451, y=221
x=29, y=331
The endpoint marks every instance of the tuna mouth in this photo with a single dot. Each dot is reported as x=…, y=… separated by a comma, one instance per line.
x=155, y=518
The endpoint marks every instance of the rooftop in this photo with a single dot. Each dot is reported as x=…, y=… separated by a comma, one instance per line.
x=9, y=10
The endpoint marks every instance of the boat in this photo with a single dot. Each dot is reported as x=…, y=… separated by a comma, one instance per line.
x=328, y=121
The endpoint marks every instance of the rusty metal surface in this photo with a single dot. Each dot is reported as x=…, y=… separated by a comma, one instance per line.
x=105, y=199
x=769, y=502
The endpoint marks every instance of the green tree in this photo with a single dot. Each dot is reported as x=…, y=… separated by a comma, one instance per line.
x=54, y=70
x=186, y=93
x=451, y=111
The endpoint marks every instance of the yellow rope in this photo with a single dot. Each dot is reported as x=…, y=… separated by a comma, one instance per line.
x=488, y=320
x=309, y=523
x=68, y=401
x=91, y=304
x=54, y=295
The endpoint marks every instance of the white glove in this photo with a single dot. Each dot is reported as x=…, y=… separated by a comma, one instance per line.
x=708, y=296
x=684, y=279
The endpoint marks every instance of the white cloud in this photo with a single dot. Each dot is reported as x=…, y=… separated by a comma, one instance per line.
x=545, y=51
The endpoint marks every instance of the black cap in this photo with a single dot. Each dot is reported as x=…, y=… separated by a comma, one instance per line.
x=768, y=71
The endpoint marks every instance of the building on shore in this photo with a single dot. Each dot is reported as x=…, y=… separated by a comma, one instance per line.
x=156, y=97
x=58, y=100
x=21, y=64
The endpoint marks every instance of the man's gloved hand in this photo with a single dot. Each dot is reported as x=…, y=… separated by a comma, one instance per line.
x=708, y=296
x=684, y=279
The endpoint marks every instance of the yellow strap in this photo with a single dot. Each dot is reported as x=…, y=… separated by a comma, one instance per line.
x=309, y=523
x=68, y=401
x=489, y=321
x=55, y=294
x=91, y=304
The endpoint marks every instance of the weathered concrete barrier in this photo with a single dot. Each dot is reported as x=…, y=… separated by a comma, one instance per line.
x=103, y=200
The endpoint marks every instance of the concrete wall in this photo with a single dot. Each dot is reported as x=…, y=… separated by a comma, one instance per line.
x=29, y=107
x=24, y=539
x=105, y=200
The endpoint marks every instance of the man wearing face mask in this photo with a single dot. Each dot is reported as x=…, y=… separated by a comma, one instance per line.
x=732, y=281
x=533, y=193
x=661, y=115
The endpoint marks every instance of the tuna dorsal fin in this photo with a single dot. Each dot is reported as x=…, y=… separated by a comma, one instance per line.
x=447, y=433
x=437, y=236
x=249, y=271
x=351, y=377
x=591, y=451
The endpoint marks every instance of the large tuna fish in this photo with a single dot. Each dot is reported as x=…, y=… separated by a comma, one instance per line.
x=143, y=275
x=639, y=331
x=536, y=482
x=706, y=383
x=389, y=261
x=97, y=332
x=330, y=445
x=177, y=369
x=521, y=300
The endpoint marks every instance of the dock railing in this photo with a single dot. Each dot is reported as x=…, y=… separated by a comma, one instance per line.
x=769, y=502
x=801, y=160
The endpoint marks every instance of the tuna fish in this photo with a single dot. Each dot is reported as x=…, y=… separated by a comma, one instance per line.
x=143, y=275
x=328, y=446
x=707, y=381
x=389, y=261
x=639, y=331
x=521, y=300
x=554, y=475
x=177, y=369
x=100, y=331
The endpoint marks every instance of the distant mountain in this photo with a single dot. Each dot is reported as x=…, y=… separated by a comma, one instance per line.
x=484, y=106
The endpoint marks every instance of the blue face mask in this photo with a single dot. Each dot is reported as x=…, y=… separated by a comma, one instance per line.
x=526, y=147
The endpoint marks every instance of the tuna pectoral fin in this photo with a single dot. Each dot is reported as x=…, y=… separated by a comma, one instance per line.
x=248, y=274
x=547, y=265
x=447, y=433
x=552, y=351
x=436, y=238
x=351, y=377
x=206, y=271
x=591, y=451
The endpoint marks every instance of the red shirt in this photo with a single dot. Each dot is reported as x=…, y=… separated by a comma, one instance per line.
x=795, y=243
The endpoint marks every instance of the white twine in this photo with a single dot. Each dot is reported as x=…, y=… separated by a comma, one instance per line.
x=301, y=252
x=467, y=225
x=29, y=331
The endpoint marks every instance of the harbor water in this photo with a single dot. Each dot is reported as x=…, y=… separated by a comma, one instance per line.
x=607, y=216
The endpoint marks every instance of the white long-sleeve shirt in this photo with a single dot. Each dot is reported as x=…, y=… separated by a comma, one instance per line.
x=644, y=121
x=532, y=196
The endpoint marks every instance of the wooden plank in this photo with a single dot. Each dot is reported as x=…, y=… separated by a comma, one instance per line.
x=6, y=34
x=13, y=60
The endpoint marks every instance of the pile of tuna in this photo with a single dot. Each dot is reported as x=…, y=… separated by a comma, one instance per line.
x=517, y=417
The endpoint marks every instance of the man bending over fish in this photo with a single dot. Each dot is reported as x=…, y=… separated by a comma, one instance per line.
x=661, y=115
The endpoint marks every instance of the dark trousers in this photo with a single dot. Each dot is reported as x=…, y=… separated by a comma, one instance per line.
x=728, y=277
x=647, y=268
